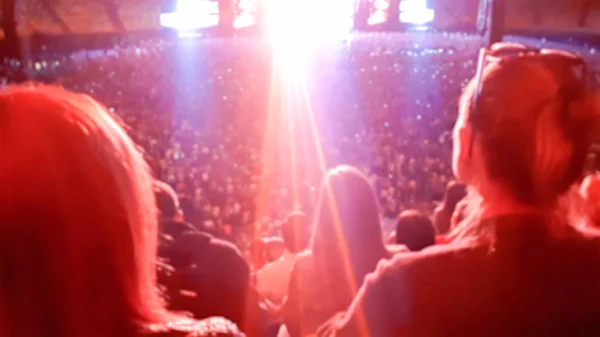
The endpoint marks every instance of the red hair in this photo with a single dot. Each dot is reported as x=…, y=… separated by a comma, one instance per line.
x=78, y=220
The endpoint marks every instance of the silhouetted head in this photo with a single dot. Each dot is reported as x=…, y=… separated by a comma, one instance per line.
x=78, y=225
x=414, y=230
x=167, y=201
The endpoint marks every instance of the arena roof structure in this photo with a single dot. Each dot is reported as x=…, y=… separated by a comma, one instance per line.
x=85, y=17
x=114, y=16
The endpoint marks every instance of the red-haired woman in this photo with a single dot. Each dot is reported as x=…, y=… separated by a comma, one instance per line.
x=78, y=224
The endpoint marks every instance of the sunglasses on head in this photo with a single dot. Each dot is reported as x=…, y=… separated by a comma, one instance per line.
x=503, y=52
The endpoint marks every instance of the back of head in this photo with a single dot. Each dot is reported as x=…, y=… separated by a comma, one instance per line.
x=347, y=232
x=166, y=200
x=78, y=227
x=296, y=232
x=414, y=230
x=530, y=130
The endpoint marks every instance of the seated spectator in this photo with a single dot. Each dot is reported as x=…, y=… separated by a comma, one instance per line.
x=170, y=223
x=442, y=216
x=216, y=275
x=274, y=278
x=522, y=266
x=79, y=228
x=347, y=243
x=414, y=230
x=590, y=192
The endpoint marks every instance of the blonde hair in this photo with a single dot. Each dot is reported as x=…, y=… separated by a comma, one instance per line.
x=78, y=219
x=534, y=124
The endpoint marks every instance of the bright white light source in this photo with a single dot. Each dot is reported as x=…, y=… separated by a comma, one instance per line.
x=247, y=16
x=380, y=15
x=415, y=12
x=191, y=15
x=294, y=22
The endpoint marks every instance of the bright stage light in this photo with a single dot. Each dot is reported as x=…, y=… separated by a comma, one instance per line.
x=247, y=16
x=191, y=15
x=380, y=15
x=415, y=12
x=306, y=21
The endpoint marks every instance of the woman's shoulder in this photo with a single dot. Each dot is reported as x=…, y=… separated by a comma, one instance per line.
x=210, y=327
x=303, y=260
x=306, y=271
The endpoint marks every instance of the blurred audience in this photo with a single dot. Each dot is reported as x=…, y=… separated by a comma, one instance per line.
x=235, y=158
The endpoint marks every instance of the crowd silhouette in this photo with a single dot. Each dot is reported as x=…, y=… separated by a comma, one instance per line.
x=440, y=198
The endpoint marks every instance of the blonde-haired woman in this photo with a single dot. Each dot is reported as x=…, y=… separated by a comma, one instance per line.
x=78, y=224
x=520, y=265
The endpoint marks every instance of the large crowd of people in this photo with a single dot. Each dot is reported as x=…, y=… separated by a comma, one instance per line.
x=201, y=118
x=309, y=193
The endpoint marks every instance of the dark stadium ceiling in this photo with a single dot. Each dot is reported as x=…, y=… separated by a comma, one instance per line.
x=109, y=16
x=86, y=16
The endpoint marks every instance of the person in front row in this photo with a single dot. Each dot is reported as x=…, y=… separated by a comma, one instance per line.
x=78, y=225
x=521, y=264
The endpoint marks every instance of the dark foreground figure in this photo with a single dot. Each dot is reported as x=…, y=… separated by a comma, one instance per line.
x=79, y=225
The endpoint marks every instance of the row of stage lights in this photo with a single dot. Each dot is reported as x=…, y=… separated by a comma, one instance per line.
x=322, y=15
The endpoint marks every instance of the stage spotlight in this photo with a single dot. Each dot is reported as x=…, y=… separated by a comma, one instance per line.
x=192, y=15
x=415, y=12
x=380, y=12
x=247, y=14
x=294, y=21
